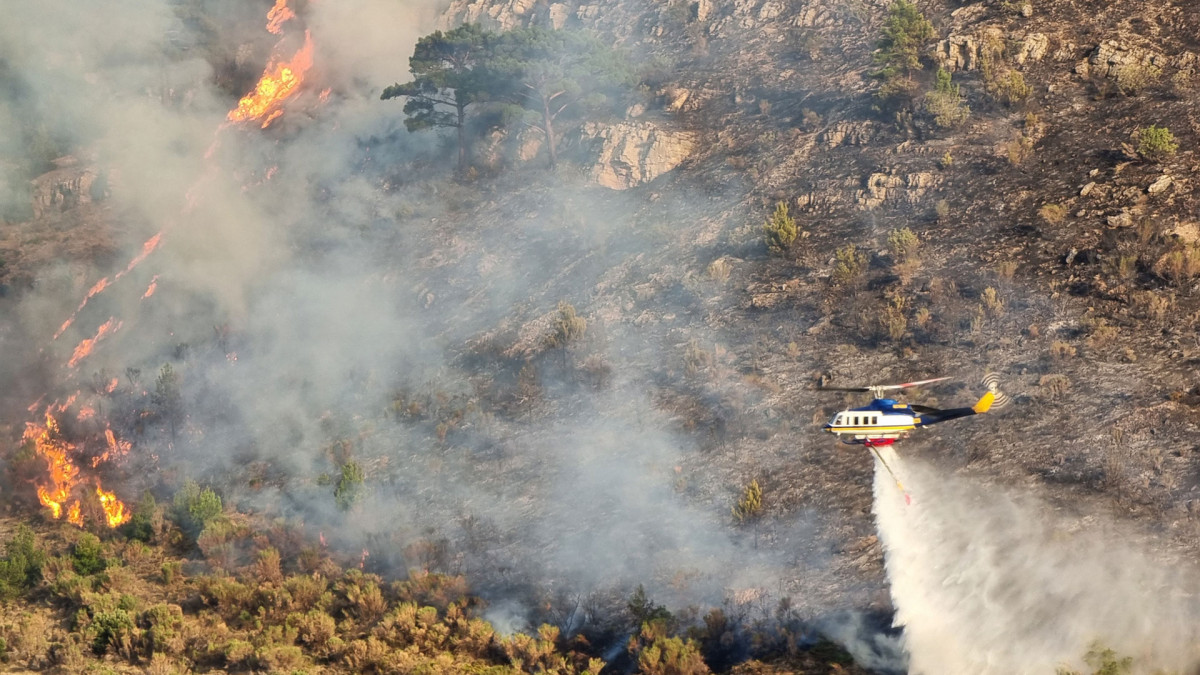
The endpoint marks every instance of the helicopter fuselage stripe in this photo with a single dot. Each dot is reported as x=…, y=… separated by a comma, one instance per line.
x=859, y=430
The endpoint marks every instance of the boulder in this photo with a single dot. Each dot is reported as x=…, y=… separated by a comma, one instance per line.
x=66, y=187
x=633, y=153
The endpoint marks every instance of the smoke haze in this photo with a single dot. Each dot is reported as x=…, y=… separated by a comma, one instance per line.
x=302, y=281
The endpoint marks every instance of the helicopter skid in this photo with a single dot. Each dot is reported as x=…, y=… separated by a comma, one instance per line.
x=869, y=442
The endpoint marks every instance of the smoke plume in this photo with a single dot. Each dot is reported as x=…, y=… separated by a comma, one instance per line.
x=988, y=580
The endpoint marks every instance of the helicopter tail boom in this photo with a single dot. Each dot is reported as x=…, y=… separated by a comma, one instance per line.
x=984, y=404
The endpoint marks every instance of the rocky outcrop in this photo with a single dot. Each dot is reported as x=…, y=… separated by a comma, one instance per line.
x=1110, y=56
x=633, y=153
x=65, y=187
x=968, y=51
x=501, y=15
x=882, y=187
x=847, y=133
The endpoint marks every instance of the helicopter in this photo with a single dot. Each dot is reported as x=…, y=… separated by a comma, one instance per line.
x=883, y=421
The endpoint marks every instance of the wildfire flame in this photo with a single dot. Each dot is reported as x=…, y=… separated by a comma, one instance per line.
x=114, y=510
x=116, y=448
x=86, y=413
x=153, y=287
x=63, y=473
x=112, y=386
x=279, y=14
x=59, y=490
x=85, y=347
x=147, y=248
x=279, y=81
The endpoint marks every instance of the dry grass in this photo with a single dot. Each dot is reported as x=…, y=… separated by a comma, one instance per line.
x=1061, y=350
x=1053, y=213
x=1054, y=386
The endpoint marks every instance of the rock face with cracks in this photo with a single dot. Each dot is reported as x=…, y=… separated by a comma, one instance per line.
x=634, y=153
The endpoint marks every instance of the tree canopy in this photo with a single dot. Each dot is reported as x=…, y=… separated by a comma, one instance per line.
x=536, y=75
x=550, y=73
x=448, y=77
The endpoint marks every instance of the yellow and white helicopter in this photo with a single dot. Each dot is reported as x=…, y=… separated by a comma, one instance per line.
x=883, y=421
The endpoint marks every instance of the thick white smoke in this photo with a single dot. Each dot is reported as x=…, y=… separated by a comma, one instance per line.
x=986, y=580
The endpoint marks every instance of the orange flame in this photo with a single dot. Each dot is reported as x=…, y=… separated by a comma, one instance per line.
x=63, y=477
x=63, y=473
x=95, y=289
x=279, y=81
x=74, y=516
x=116, y=448
x=85, y=347
x=86, y=413
x=153, y=287
x=114, y=509
x=147, y=248
x=279, y=14
x=112, y=386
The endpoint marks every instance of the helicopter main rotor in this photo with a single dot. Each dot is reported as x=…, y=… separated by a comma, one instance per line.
x=877, y=390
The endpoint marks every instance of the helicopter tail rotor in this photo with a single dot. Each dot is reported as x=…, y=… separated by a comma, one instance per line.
x=992, y=382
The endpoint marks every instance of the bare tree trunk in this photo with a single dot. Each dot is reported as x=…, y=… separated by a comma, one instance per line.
x=548, y=127
x=462, y=139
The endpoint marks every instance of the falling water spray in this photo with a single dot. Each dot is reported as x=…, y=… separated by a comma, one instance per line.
x=991, y=581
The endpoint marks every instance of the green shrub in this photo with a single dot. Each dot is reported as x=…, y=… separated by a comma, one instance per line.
x=849, y=266
x=350, y=489
x=141, y=524
x=1009, y=88
x=195, y=507
x=111, y=629
x=1156, y=143
x=780, y=229
x=903, y=243
x=21, y=567
x=945, y=103
x=88, y=555
x=905, y=32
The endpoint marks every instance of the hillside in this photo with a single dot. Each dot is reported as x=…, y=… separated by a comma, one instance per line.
x=524, y=396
